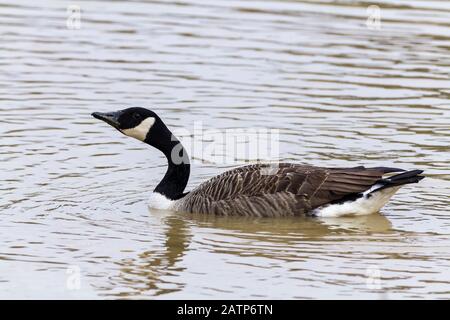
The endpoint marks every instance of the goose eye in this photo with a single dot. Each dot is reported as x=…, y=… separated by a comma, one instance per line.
x=136, y=116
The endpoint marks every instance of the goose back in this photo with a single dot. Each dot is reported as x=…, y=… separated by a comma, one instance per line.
x=282, y=189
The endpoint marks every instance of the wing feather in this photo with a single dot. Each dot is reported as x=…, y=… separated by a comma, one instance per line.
x=284, y=189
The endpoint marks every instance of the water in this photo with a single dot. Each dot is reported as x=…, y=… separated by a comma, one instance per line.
x=74, y=216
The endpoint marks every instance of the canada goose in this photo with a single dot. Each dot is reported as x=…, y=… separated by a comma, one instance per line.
x=259, y=189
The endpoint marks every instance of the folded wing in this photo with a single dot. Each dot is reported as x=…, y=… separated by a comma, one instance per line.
x=278, y=189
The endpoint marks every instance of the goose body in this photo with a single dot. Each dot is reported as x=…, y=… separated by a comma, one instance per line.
x=269, y=190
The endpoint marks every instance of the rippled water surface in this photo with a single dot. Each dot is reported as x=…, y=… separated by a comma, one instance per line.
x=73, y=191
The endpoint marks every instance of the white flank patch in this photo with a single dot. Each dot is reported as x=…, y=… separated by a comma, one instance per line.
x=140, y=131
x=160, y=202
x=362, y=206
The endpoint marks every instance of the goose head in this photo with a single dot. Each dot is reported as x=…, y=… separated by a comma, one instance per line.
x=133, y=122
x=146, y=126
x=142, y=124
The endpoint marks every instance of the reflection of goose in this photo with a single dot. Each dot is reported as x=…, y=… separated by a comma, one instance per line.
x=368, y=223
x=294, y=227
x=152, y=271
x=157, y=272
x=259, y=190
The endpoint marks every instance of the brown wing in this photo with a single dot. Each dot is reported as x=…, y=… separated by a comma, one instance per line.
x=279, y=189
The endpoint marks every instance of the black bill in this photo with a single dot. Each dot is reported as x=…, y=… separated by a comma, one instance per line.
x=111, y=118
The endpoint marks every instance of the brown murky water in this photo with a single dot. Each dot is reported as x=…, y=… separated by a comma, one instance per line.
x=74, y=216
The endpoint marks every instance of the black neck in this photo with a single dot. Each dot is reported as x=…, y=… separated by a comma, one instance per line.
x=177, y=175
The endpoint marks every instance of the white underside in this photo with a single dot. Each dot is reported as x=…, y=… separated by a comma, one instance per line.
x=160, y=202
x=367, y=204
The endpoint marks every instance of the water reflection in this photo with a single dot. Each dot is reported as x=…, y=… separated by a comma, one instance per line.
x=301, y=226
x=156, y=272
x=152, y=272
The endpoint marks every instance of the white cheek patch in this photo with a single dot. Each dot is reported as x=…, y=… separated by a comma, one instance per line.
x=140, y=131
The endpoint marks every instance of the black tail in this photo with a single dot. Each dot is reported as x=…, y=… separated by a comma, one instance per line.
x=412, y=176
